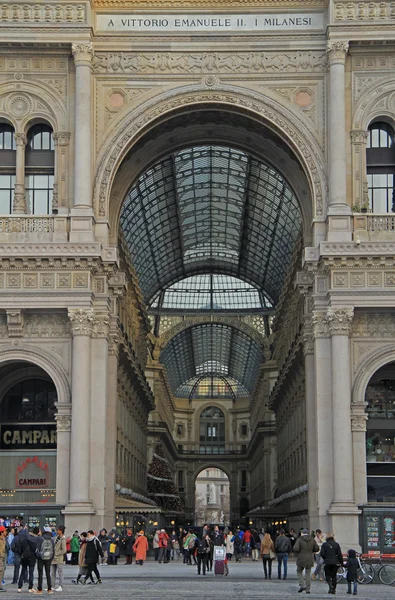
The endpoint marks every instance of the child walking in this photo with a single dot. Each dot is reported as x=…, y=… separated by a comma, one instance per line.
x=352, y=566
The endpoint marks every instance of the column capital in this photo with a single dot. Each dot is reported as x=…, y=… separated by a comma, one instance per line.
x=320, y=324
x=82, y=321
x=63, y=423
x=101, y=324
x=20, y=139
x=61, y=138
x=82, y=53
x=358, y=422
x=339, y=320
x=337, y=52
x=359, y=136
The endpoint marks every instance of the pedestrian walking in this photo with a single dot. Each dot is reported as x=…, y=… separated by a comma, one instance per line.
x=155, y=544
x=319, y=569
x=141, y=548
x=304, y=549
x=92, y=553
x=3, y=555
x=267, y=555
x=283, y=548
x=229, y=545
x=58, y=559
x=247, y=543
x=333, y=558
x=83, y=567
x=237, y=547
x=45, y=551
x=202, y=549
x=255, y=545
x=104, y=540
x=75, y=548
x=352, y=566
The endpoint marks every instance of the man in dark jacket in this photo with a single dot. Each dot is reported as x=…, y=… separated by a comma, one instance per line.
x=304, y=549
x=283, y=548
x=16, y=549
x=28, y=557
x=45, y=553
x=92, y=553
x=333, y=558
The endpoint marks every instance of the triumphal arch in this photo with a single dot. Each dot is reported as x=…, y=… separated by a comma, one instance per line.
x=197, y=240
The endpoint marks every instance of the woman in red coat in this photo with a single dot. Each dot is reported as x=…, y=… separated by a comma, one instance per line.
x=141, y=547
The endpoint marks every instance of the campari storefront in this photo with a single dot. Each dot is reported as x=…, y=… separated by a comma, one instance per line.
x=28, y=444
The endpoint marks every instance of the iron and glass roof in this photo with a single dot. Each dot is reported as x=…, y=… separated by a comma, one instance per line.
x=211, y=209
x=212, y=349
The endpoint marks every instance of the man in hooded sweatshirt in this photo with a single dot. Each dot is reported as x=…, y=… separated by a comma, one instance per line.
x=304, y=549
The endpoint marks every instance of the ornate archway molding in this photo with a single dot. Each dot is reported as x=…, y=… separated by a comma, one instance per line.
x=377, y=359
x=40, y=358
x=280, y=119
x=378, y=101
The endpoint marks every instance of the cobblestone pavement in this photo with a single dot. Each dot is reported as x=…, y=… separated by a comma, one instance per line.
x=176, y=581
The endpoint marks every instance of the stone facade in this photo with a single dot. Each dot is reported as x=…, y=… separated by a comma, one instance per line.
x=69, y=296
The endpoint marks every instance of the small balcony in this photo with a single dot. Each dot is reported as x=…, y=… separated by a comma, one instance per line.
x=374, y=227
x=33, y=228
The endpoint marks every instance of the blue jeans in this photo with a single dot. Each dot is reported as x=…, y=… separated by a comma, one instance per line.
x=282, y=558
x=355, y=586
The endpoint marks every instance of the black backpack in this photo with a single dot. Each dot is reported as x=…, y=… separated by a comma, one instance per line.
x=201, y=547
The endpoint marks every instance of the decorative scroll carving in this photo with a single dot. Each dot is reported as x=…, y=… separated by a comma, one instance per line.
x=63, y=423
x=42, y=13
x=337, y=52
x=320, y=324
x=339, y=320
x=208, y=62
x=15, y=323
x=364, y=10
x=101, y=325
x=359, y=137
x=82, y=53
x=82, y=320
x=358, y=422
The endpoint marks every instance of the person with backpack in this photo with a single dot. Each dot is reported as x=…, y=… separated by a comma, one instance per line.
x=45, y=551
x=28, y=558
x=190, y=545
x=237, y=547
x=92, y=553
x=58, y=559
x=202, y=549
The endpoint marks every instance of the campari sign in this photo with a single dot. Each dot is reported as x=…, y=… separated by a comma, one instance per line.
x=32, y=473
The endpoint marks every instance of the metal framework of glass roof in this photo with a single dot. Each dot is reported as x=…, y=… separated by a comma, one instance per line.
x=211, y=291
x=211, y=209
x=212, y=349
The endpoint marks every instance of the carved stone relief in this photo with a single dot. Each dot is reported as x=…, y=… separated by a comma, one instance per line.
x=364, y=10
x=42, y=13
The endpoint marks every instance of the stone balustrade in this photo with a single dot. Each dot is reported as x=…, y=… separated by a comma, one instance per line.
x=374, y=227
x=20, y=228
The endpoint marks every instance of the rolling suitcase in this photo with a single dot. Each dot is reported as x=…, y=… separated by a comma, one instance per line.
x=220, y=568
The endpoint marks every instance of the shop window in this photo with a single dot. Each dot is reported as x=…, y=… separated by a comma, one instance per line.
x=40, y=161
x=380, y=436
x=32, y=400
x=7, y=168
x=380, y=159
x=212, y=430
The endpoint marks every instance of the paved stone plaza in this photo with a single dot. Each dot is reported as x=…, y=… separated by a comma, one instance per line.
x=176, y=581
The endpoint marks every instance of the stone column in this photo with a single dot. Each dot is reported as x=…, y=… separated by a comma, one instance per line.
x=99, y=415
x=82, y=216
x=60, y=195
x=359, y=174
x=323, y=418
x=343, y=507
x=80, y=506
x=358, y=428
x=19, y=203
x=112, y=413
x=311, y=420
x=337, y=52
x=63, y=432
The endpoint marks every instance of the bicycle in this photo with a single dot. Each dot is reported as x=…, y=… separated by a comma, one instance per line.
x=385, y=572
x=365, y=573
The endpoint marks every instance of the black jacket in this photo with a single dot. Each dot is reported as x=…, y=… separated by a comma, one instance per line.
x=283, y=545
x=352, y=566
x=331, y=553
x=93, y=551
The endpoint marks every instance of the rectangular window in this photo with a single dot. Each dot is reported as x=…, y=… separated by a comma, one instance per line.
x=39, y=191
x=244, y=429
x=180, y=478
x=7, y=186
x=381, y=192
x=244, y=479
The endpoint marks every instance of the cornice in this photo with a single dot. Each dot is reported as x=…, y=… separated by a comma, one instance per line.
x=208, y=4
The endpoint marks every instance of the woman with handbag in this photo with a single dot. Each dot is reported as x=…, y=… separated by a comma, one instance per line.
x=267, y=554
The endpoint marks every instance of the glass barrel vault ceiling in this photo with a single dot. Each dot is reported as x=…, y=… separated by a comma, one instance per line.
x=211, y=209
x=212, y=349
x=211, y=228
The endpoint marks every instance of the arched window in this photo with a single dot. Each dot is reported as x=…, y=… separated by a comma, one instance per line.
x=7, y=168
x=39, y=170
x=212, y=431
x=32, y=400
x=380, y=435
x=380, y=159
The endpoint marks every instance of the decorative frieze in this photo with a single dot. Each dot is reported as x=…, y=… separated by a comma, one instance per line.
x=364, y=10
x=33, y=281
x=82, y=321
x=46, y=326
x=20, y=66
x=339, y=320
x=160, y=63
x=356, y=279
x=42, y=13
x=373, y=325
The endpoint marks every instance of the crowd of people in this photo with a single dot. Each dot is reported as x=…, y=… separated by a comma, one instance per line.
x=45, y=552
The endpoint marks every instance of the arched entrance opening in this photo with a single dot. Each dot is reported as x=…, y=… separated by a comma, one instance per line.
x=28, y=445
x=212, y=497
